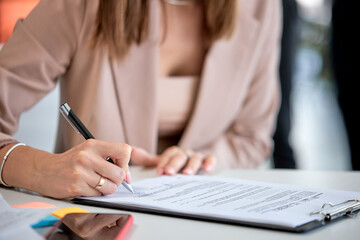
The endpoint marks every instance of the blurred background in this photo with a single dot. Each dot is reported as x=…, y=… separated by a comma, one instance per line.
x=317, y=134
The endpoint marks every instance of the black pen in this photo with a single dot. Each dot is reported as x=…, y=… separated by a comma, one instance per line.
x=79, y=127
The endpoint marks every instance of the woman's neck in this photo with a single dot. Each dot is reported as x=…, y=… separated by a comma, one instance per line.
x=183, y=49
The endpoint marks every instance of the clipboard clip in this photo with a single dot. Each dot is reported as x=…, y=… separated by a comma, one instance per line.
x=332, y=211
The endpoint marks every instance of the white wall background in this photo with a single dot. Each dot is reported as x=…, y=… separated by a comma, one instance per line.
x=38, y=126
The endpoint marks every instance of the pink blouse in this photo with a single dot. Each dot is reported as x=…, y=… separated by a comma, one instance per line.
x=176, y=97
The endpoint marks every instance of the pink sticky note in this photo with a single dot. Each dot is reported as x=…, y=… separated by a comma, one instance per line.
x=39, y=205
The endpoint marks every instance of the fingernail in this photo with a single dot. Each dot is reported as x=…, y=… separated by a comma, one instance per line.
x=128, y=177
x=188, y=171
x=170, y=171
x=208, y=168
x=160, y=171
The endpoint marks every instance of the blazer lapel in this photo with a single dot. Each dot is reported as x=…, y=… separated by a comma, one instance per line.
x=135, y=83
x=225, y=62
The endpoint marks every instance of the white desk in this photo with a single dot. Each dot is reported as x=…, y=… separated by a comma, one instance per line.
x=148, y=226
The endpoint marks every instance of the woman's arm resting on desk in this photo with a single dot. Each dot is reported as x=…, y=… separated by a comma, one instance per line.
x=75, y=172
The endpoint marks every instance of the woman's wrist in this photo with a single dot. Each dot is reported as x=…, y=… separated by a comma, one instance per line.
x=18, y=170
x=3, y=162
x=3, y=151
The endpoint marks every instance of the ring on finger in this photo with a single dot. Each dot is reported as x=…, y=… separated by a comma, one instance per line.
x=100, y=183
x=188, y=154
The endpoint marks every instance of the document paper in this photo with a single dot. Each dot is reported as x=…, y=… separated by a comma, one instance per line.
x=228, y=199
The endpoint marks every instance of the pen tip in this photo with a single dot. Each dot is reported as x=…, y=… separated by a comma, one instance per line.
x=131, y=190
x=127, y=186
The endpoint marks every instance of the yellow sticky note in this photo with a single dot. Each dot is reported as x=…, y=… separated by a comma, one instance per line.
x=61, y=212
x=39, y=205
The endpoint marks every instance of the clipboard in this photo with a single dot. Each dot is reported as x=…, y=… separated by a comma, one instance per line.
x=311, y=218
x=329, y=212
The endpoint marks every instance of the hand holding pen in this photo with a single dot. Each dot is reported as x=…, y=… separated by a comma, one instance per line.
x=75, y=122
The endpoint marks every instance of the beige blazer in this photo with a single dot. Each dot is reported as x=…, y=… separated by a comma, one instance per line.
x=236, y=105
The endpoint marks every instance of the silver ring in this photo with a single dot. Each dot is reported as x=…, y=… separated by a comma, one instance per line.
x=100, y=183
x=188, y=153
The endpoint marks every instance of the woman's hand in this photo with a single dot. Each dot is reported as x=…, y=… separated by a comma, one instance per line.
x=73, y=173
x=174, y=160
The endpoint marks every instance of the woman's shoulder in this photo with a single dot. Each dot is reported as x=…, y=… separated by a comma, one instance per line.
x=72, y=8
x=64, y=15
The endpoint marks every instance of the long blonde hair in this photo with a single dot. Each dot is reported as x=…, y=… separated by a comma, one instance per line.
x=121, y=23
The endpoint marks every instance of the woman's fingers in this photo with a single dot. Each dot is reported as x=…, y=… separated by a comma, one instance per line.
x=91, y=174
x=165, y=157
x=105, y=186
x=119, y=152
x=175, y=163
x=194, y=164
x=209, y=163
x=142, y=157
x=175, y=159
x=81, y=179
x=108, y=170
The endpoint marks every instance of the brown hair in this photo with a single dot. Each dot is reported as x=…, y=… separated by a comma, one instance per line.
x=121, y=23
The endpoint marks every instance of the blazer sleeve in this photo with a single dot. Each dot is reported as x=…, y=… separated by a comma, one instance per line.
x=36, y=55
x=248, y=141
